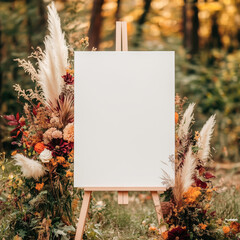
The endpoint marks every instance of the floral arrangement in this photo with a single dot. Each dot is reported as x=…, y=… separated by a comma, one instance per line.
x=188, y=213
x=43, y=196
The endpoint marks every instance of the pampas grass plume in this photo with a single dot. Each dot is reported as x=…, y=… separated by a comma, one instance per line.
x=30, y=168
x=204, y=140
x=186, y=121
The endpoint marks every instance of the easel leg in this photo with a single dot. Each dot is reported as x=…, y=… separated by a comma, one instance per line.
x=158, y=208
x=83, y=215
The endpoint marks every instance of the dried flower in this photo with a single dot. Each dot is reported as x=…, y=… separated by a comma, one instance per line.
x=45, y=156
x=39, y=147
x=68, y=133
x=47, y=136
x=57, y=134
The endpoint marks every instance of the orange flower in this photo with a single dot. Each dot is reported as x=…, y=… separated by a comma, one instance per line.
x=226, y=229
x=152, y=228
x=165, y=235
x=39, y=186
x=192, y=194
x=176, y=117
x=53, y=162
x=202, y=226
x=39, y=147
x=60, y=160
x=69, y=174
x=235, y=227
x=197, y=135
x=14, y=153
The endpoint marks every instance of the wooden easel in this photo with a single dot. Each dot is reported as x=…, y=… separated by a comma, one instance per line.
x=121, y=45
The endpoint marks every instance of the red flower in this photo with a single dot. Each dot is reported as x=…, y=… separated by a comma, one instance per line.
x=68, y=79
x=200, y=183
x=208, y=175
x=59, y=147
x=178, y=233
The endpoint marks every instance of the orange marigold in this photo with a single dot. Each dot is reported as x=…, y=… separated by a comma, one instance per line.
x=202, y=226
x=39, y=147
x=39, y=186
x=61, y=160
x=176, y=117
x=226, y=229
x=69, y=174
x=192, y=194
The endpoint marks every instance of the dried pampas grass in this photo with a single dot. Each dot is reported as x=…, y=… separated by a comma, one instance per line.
x=54, y=61
x=186, y=121
x=204, y=140
x=30, y=168
x=188, y=170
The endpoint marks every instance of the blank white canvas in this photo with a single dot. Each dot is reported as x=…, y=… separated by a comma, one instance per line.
x=124, y=118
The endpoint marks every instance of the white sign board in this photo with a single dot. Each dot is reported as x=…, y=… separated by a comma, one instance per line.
x=124, y=118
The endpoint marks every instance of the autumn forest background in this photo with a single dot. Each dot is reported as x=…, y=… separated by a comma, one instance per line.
x=204, y=34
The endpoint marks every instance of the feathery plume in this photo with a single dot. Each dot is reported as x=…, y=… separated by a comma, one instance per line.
x=30, y=168
x=188, y=170
x=186, y=121
x=54, y=60
x=204, y=140
x=178, y=189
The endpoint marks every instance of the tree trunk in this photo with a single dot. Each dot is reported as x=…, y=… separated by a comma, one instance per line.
x=117, y=14
x=141, y=21
x=96, y=24
x=190, y=26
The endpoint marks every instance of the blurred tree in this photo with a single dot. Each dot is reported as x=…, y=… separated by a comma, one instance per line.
x=94, y=33
x=141, y=21
x=190, y=25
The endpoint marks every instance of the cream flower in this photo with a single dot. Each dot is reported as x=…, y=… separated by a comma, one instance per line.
x=45, y=155
x=57, y=134
x=68, y=133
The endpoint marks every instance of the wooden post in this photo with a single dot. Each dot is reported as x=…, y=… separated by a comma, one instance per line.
x=83, y=215
x=158, y=209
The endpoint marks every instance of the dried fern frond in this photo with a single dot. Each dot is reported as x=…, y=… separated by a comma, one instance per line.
x=186, y=121
x=28, y=68
x=65, y=109
x=204, y=140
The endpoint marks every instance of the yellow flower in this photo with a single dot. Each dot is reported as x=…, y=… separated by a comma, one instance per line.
x=192, y=194
x=226, y=229
x=39, y=186
x=69, y=174
x=202, y=226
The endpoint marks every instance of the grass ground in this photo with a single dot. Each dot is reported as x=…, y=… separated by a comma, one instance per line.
x=108, y=220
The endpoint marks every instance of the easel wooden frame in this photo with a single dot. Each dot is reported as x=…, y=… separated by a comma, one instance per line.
x=121, y=45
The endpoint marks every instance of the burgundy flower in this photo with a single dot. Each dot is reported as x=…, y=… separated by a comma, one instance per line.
x=208, y=175
x=200, y=183
x=68, y=79
x=178, y=233
x=59, y=147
